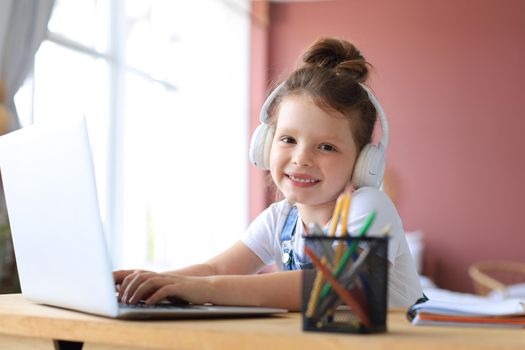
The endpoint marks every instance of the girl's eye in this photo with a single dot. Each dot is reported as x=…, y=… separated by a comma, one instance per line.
x=287, y=139
x=328, y=148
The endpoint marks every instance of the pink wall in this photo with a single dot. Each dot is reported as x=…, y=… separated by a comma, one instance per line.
x=259, y=32
x=451, y=77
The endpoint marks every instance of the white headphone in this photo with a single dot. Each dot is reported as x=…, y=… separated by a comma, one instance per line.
x=369, y=167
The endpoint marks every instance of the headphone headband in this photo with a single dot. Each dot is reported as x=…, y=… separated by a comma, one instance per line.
x=385, y=130
x=263, y=114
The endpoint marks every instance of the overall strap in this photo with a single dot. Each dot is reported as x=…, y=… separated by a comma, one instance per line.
x=288, y=257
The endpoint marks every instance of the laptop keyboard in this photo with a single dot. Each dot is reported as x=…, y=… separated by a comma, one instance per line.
x=162, y=305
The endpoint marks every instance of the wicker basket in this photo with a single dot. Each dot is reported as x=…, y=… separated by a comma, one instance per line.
x=489, y=276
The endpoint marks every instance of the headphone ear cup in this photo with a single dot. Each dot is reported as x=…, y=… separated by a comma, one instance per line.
x=260, y=146
x=369, y=167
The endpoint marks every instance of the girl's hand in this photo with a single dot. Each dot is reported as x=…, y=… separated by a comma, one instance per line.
x=152, y=287
x=121, y=280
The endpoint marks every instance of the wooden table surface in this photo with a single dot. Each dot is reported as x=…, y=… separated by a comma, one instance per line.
x=24, y=324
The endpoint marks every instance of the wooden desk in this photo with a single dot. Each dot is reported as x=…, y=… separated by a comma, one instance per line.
x=24, y=325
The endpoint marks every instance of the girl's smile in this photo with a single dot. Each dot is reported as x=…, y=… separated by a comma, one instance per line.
x=302, y=180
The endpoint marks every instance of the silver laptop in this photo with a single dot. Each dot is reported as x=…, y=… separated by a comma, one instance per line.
x=60, y=248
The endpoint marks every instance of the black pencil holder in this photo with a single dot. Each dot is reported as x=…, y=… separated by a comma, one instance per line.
x=346, y=291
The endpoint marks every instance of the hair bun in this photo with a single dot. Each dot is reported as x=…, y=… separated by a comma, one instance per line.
x=338, y=54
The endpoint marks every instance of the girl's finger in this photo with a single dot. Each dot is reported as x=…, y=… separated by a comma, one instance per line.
x=149, y=287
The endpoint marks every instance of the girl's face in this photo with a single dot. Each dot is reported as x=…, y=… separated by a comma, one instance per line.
x=313, y=153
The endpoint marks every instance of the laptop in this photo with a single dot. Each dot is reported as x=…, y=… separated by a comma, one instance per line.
x=60, y=247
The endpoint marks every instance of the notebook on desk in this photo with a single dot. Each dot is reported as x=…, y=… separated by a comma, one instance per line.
x=58, y=237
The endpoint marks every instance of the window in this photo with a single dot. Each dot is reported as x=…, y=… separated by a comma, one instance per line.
x=164, y=87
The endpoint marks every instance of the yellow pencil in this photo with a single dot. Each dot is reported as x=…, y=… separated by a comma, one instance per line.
x=335, y=216
x=345, y=213
x=319, y=280
x=344, y=222
x=316, y=290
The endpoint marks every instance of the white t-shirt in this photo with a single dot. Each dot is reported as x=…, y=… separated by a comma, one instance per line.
x=263, y=238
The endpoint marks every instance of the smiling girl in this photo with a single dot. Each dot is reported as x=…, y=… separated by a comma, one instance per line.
x=315, y=126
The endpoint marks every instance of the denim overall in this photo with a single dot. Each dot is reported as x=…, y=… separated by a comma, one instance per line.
x=289, y=258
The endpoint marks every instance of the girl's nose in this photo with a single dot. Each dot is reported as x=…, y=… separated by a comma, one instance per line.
x=302, y=157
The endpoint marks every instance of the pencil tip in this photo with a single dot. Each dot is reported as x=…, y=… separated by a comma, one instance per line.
x=386, y=230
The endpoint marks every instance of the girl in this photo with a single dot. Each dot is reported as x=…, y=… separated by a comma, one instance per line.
x=316, y=126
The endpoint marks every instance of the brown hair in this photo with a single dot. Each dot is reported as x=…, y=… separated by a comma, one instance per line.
x=330, y=74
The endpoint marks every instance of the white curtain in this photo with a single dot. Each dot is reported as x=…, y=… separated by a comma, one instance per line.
x=23, y=26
